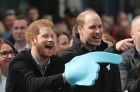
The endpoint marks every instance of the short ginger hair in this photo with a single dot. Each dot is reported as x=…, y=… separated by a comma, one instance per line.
x=33, y=29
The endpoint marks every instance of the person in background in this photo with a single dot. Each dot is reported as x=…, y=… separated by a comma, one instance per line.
x=48, y=16
x=7, y=53
x=8, y=19
x=130, y=66
x=2, y=29
x=19, y=28
x=121, y=29
x=63, y=38
x=108, y=23
x=108, y=39
x=32, y=14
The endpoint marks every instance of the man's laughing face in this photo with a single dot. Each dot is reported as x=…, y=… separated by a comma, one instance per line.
x=45, y=41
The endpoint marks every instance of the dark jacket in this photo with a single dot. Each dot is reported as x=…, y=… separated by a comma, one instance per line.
x=24, y=75
x=109, y=77
x=130, y=71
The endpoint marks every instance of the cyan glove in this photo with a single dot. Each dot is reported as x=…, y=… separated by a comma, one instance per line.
x=83, y=69
x=100, y=57
x=81, y=72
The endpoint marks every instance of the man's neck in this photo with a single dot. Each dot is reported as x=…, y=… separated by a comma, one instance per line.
x=20, y=45
x=42, y=61
x=39, y=59
x=89, y=46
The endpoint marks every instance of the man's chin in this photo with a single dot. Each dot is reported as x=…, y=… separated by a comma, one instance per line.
x=49, y=54
x=96, y=44
x=46, y=55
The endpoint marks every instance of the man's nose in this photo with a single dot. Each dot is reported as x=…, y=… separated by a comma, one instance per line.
x=98, y=30
x=50, y=39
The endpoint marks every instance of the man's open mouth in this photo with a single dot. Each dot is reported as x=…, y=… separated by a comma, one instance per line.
x=49, y=47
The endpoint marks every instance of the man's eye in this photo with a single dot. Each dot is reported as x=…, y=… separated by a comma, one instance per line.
x=92, y=27
x=45, y=36
x=100, y=26
x=15, y=27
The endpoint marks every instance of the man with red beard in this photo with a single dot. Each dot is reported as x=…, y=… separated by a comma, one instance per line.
x=29, y=71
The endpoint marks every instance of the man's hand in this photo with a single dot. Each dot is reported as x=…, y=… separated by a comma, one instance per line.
x=125, y=44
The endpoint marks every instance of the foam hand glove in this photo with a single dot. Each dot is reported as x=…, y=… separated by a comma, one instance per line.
x=101, y=57
x=83, y=69
x=81, y=72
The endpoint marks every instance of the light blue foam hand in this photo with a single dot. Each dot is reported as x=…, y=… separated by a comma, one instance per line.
x=83, y=69
x=81, y=72
x=100, y=57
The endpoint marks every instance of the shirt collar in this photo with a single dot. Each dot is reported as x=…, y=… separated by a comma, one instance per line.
x=40, y=66
x=24, y=48
x=39, y=63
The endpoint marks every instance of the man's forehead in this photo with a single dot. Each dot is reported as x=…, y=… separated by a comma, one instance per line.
x=23, y=21
x=93, y=21
x=91, y=17
x=43, y=29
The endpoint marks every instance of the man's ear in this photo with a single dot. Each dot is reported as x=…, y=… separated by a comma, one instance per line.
x=79, y=29
x=132, y=34
x=33, y=40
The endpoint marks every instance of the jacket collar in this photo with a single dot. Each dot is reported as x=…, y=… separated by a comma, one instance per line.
x=78, y=44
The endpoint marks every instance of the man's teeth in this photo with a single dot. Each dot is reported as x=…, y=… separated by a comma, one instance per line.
x=48, y=47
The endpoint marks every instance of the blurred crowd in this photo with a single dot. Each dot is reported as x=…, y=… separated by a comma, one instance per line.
x=118, y=27
x=13, y=27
